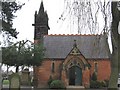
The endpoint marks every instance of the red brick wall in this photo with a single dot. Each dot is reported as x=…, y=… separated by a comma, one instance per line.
x=104, y=68
x=86, y=77
x=44, y=71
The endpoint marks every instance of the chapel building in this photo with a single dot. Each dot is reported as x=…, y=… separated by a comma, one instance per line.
x=70, y=58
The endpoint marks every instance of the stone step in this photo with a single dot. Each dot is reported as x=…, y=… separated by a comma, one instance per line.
x=75, y=87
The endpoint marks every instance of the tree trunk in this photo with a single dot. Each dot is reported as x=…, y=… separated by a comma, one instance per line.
x=119, y=53
x=114, y=71
x=17, y=69
x=115, y=46
x=7, y=70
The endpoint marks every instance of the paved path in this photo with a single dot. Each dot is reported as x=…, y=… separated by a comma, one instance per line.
x=6, y=87
x=75, y=88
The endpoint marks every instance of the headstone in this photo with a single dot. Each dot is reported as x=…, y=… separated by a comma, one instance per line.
x=25, y=77
x=14, y=82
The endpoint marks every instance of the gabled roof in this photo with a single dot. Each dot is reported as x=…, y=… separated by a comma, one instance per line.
x=90, y=46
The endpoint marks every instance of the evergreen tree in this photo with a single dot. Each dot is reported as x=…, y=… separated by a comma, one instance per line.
x=94, y=76
x=7, y=15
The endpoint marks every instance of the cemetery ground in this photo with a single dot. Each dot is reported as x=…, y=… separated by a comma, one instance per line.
x=6, y=87
x=22, y=87
x=17, y=82
x=17, y=86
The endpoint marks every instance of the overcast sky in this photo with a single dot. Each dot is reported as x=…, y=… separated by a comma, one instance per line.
x=25, y=17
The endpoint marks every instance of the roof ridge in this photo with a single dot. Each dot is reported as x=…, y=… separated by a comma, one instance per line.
x=73, y=35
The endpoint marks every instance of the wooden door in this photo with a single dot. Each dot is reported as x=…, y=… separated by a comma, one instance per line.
x=75, y=75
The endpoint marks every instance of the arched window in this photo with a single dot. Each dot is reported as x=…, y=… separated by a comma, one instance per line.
x=96, y=67
x=53, y=67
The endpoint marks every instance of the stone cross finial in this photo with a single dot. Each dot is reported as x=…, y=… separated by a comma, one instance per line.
x=75, y=45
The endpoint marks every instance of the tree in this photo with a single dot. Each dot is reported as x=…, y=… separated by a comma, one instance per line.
x=38, y=54
x=8, y=56
x=12, y=56
x=115, y=63
x=86, y=13
x=94, y=76
x=8, y=11
x=22, y=53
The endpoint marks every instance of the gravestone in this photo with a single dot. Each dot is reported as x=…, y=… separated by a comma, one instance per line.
x=14, y=82
x=25, y=77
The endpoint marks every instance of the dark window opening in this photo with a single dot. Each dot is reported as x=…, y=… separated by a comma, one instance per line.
x=53, y=67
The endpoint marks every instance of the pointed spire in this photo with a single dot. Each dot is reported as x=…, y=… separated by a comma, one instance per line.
x=41, y=10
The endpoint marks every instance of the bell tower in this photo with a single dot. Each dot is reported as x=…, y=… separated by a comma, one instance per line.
x=40, y=24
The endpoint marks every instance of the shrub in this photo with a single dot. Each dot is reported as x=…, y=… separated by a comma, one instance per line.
x=103, y=84
x=94, y=77
x=57, y=84
x=49, y=81
x=5, y=82
x=35, y=82
x=106, y=82
x=93, y=84
x=97, y=84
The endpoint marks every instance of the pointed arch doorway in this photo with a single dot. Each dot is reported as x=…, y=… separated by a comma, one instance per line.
x=75, y=76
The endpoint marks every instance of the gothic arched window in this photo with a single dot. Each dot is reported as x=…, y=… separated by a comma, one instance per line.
x=96, y=67
x=53, y=67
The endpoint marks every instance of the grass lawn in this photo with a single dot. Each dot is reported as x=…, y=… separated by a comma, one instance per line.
x=5, y=82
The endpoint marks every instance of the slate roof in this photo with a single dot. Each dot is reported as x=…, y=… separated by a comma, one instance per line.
x=91, y=46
